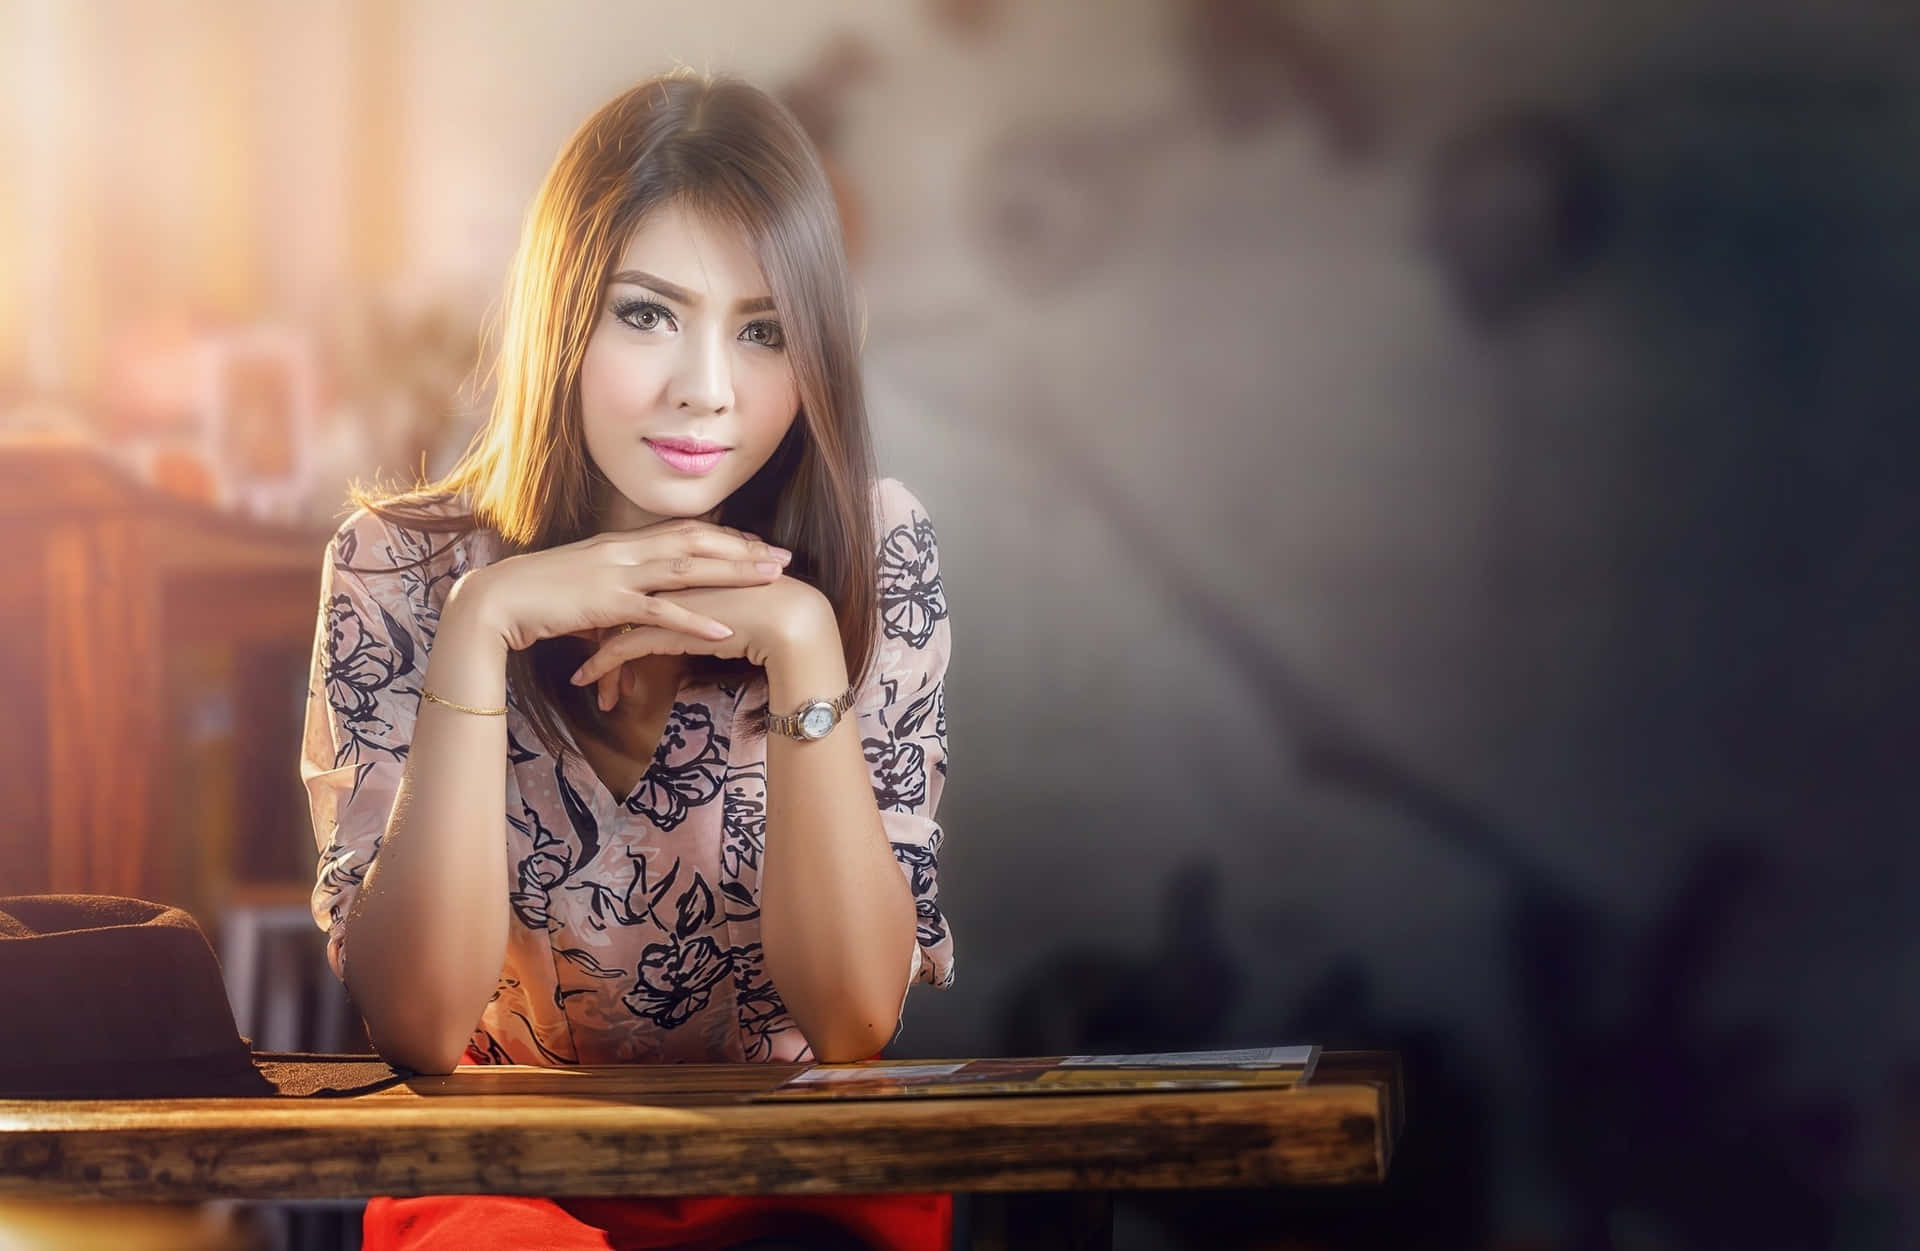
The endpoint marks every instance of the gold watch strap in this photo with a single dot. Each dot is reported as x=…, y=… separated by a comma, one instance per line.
x=788, y=723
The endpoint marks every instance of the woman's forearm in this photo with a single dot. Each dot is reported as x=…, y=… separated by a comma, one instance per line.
x=836, y=914
x=427, y=937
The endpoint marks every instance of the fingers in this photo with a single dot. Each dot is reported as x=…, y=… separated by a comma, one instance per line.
x=668, y=615
x=606, y=665
x=679, y=572
x=615, y=684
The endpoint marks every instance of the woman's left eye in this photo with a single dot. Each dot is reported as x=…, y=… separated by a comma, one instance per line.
x=765, y=333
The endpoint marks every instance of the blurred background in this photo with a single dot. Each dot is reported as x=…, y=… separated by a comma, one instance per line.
x=1427, y=497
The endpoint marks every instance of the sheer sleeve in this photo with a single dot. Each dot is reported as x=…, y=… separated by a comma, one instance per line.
x=903, y=717
x=362, y=697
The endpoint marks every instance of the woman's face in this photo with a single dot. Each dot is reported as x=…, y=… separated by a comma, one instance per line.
x=687, y=352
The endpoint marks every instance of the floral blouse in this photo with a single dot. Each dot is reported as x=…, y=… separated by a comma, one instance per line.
x=635, y=920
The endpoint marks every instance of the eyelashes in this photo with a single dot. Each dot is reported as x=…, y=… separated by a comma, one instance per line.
x=773, y=338
x=630, y=310
x=649, y=315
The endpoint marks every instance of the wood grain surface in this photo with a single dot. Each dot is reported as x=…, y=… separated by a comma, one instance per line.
x=684, y=1129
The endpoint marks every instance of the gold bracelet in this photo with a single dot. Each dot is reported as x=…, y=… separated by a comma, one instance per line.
x=479, y=712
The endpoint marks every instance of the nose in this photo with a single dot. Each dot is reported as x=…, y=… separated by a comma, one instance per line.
x=703, y=379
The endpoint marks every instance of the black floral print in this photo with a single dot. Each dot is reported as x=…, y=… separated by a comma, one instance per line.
x=686, y=768
x=899, y=773
x=426, y=585
x=634, y=920
x=743, y=822
x=912, y=601
x=607, y=908
x=931, y=927
x=762, y=1016
x=676, y=978
x=361, y=663
x=536, y=876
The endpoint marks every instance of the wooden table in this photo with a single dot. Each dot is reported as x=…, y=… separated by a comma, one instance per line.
x=1042, y=1168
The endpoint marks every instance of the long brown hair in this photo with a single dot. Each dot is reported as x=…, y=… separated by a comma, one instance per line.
x=721, y=148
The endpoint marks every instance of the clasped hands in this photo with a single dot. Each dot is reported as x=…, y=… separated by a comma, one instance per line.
x=678, y=587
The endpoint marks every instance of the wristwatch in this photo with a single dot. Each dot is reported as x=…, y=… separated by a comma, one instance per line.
x=815, y=719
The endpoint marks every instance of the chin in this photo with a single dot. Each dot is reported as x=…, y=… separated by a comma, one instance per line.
x=691, y=498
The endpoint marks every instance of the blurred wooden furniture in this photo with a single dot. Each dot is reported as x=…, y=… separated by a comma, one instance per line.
x=274, y=960
x=108, y=585
x=1041, y=1168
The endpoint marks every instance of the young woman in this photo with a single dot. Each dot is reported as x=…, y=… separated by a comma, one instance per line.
x=665, y=606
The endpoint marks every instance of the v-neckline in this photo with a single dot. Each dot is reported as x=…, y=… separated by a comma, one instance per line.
x=653, y=762
x=725, y=712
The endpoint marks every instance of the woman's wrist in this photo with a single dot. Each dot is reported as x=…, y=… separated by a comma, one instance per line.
x=808, y=664
x=470, y=610
x=468, y=661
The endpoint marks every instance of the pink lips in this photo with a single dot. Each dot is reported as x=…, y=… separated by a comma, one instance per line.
x=694, y=456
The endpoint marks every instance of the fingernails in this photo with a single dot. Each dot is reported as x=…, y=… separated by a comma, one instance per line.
x=768, y=566
x=718, y=631
x=579, y=677
x=780, y=554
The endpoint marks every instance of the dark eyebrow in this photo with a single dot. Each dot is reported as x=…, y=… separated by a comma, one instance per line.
x=641, y=278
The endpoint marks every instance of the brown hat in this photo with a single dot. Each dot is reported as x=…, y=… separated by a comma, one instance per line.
x=108, y=997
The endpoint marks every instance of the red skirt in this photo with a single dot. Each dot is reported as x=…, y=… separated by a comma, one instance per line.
x=891, y=1222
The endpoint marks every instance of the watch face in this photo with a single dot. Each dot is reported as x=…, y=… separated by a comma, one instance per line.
x=817, y=721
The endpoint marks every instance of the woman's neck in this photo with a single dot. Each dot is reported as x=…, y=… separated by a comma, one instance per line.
x=632, y=728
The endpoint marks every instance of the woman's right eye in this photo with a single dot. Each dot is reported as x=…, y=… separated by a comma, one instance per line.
x=642, y=314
